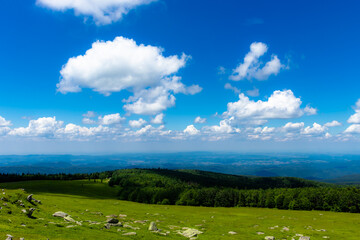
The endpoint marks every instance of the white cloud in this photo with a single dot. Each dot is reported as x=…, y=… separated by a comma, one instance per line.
x=221, y=70
x=4, y=131
x=89, y=114
x=150, y=132
x=316, y=129
x=102, y=11
x=251, y=68
x=225, y=126
x=88, y=121
x=158, y=119
x=290, y=127
x=354, y=128
x=121, y=64
x=111, y=119
x=191, y=130
x=200, y=120
x=43, y=127
x=280, y=105
x=355, y=118
x=310, y=111
x=332, y=124
x=4, y=122
x=253, y=93
x=232, y=88
x=116, y=65
x=137, y=123
x=73, y=131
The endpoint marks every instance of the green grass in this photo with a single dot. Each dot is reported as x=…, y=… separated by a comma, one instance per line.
x=83, y=199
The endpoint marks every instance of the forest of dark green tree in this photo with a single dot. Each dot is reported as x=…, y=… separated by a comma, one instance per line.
x=209, y=189
x=199, y=188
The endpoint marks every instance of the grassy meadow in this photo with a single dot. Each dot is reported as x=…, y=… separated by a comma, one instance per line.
x=90, y=202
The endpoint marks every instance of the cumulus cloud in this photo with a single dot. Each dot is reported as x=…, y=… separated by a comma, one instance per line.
x=316, y=129
x=354, y=128
x=252, y=68
x=137, y=123
x=4, y=122
x=200, y=120
x=225, y=126
x=232, y=88
x=122, y=64
x=102, y=11
x=111, y=119
x=355, y=118
x=73, y=131
x=290, y=127
x=332, y=124
x=158, y=119
x=191, y=130
x=310, y=111
x=280, y=105
x=43, y=127
x=88, y=121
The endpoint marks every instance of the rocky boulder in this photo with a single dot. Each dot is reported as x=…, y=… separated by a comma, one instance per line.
x=269, y=238
x=153, y=227
x=60, y=214
x=189, y=233
x=112, y=220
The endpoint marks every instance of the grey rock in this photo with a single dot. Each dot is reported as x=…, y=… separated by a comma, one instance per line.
x=60, y=214
x=232, y=233
x=129, y=234
x=9, y=237
x=304, y=238
x=112, y=220
x=69, y=219
x=30, y=212
x=152, y=227
x=189, y=233
x=269, y=238
x=29, y=198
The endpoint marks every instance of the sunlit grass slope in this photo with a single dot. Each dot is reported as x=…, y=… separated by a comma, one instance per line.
x=88, y=201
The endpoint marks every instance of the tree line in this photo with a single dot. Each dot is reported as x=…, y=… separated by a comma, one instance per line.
x=10, y=177
x=159, y=186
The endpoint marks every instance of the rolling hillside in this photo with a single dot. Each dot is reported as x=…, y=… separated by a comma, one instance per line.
x=89, y=203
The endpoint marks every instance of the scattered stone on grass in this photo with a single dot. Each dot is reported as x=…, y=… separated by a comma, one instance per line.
x=269, y=238
x=141, y=221
x=285, y=229
x=260, y=233
x=152, y=227
x=304, y=238
x=131, y=227
x=189, y=233
x=232, y=233
x=112, y=220
x=129, y=234
x=60, y=214
x=69, y=219
x=70, y=226
x=30, y=212
x=122, y=216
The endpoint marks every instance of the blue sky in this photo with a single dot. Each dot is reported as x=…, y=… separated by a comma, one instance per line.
x=139, y=61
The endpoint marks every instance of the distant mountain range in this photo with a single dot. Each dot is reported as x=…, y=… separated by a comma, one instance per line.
x=330, y=168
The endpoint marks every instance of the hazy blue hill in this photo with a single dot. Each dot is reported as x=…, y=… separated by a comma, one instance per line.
x=307, y=166
x=353, y=179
